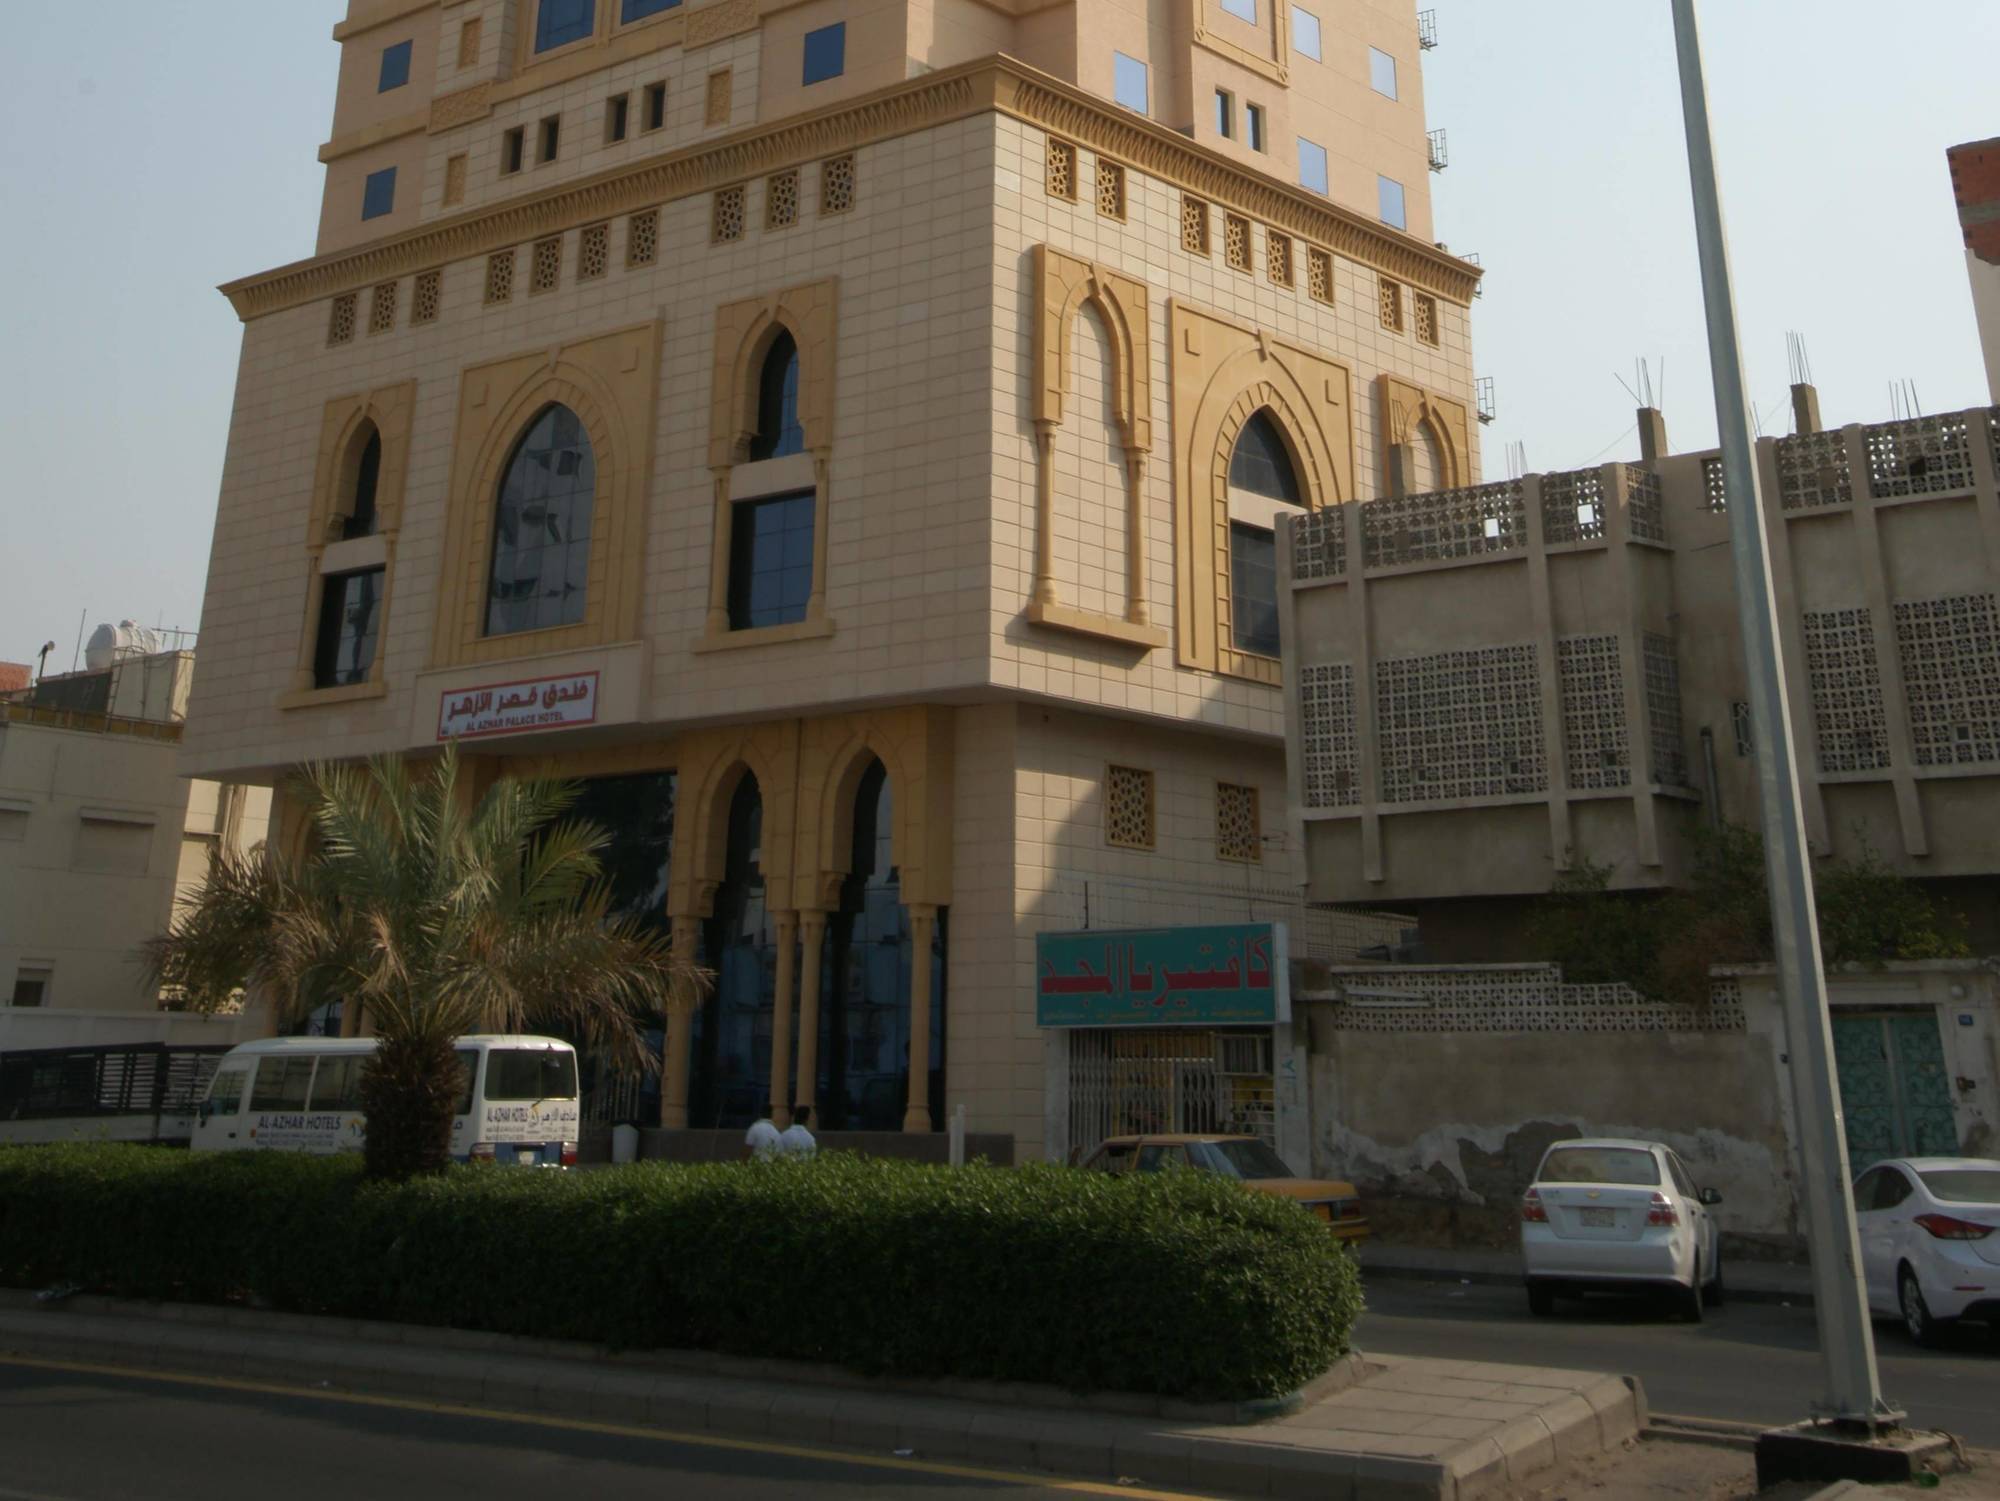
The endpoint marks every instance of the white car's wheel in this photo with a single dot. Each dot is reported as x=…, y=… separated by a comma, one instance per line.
x=1918, y=1322
x=1688, y=1300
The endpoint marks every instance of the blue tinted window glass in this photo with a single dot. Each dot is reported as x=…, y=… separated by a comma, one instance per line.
x=378, y=194
x=1245, y=10
x=1391, y=193
x=826, y=52
x=770, y=561
x=778, y=430
x=1382, y=72
x=1305, y=32
x=560, y=22
x=349, y=621
x=540, y=570
x=1253, y=589
x=1128, y=82
x=1261, y=464
x=395, y=67
x=638, y=10
x=1312, y=165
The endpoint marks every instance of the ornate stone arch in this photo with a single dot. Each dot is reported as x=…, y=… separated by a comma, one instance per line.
x=609, y=383
x=1406, y=409
x=388, y=411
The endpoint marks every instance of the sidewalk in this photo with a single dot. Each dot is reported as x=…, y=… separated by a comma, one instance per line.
x=1381, y=1427
x=1748, y=1281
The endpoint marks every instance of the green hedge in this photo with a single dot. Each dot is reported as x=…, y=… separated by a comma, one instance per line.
x=1180, y=1284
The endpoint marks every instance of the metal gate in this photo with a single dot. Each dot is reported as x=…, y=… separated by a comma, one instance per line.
x=1895, y=1091
x=1169, y=1079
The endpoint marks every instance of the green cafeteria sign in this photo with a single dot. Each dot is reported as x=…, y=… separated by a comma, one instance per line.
x=1231, y=974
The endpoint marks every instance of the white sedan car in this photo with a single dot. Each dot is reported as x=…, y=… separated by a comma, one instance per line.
x=1618, y=1216
x=1930, y=1240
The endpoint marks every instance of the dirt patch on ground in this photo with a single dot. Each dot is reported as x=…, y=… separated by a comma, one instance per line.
x=1662, y=1470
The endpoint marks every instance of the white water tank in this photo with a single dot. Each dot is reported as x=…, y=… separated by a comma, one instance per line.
x=119, y=643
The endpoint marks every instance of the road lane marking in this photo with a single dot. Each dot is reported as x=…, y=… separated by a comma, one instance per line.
x=583, y=1425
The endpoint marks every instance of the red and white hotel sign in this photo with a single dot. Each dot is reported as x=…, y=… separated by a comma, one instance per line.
x=510, y=708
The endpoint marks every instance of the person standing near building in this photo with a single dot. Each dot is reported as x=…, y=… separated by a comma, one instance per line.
x=762, y=1142
x=797, y=1141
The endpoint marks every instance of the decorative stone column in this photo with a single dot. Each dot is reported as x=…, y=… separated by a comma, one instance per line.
x=787, y=924
x=812, y=958
x=923, y=924
x=680, y=1036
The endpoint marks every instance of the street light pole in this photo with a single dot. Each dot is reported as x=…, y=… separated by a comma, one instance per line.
x=1847, y=1342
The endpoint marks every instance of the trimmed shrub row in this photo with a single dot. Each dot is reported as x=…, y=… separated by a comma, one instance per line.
x=1177, y=1284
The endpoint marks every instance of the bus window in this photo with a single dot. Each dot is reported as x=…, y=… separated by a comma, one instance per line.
x=225, y=1094
x=337, y=1085
x=530, y=1074
x=282, y=1084
x=468, y=1063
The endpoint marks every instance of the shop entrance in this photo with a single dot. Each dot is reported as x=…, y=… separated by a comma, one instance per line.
x=1169, y=1079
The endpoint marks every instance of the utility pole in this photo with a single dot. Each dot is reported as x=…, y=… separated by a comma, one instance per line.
x=1847, y=1342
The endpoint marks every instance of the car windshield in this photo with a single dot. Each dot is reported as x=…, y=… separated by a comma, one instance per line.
x=1600, y=1165
x=1243, y=1159
x=1964, y=1185
x=530, y=1074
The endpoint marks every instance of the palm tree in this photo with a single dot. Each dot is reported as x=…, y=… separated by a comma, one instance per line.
x=438, y=917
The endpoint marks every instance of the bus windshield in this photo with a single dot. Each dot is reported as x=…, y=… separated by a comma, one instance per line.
x=530, y=1074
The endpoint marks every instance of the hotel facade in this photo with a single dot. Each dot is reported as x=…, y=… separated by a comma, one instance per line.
x=849, y=438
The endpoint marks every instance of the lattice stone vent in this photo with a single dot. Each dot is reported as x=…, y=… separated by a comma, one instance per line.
x=454, y=179
x=1110, y=189
x=1951, y=667
x=1743, y=727
x=1715, y=488
x=1460, y=724
x=725, y=222
x=1389, y=297
x=1128, y=807
x=1573, y=507
x=1926, y=456
x=382, y=307
x=836, y=184
x=1846, y=688
x=1520, y=999
x=1332, y=773
x=1236, y=242
x=715, y=110
x=1194, y=225
x=781, y=199
x=1060, y=178
x=1238, y=834
x=1812, y=471
x=642, y=238
x=546, y=273
x=1278, y=258
x=427, y=297
x=499, y=276
x=1319, y=274
x=1663, y=710
x=593, y=252
x=1427, y=319
x=1645, y=508
x=468, y=43
x=340, y=322
x=1319, y=544
x=1445, y=524
x=1597, y=743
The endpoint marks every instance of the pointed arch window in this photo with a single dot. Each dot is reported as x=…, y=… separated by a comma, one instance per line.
x=1261, y=479
x=539, y=575
x=1262, y=464
x=778, y=429
x=360, y=520
x=350, y=599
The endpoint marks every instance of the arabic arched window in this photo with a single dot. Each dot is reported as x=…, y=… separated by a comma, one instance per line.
x=778, y=430
x=541, y=528
x=1262, y=464
x=360, y=521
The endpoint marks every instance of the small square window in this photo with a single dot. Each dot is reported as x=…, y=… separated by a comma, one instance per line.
x=560, y=22
x=1382, y=72
x=1312, y=165
x=826, y=52
x=1253, y=126
x=1225, y=114
x=548, y=139
x=1243, y=10
x=1305, y=32
x=1390, y=194
x=617, y=117
x=378, y=194
x=513, y=150
x=770, y=561
x=32, y=985
x=395, y=67
x=638, y=10
x=656, y=106
x=1129, y=83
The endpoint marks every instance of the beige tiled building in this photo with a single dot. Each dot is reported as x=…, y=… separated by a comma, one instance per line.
x=852, y=438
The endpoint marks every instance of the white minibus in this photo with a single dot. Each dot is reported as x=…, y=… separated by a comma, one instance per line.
x=517, y=1099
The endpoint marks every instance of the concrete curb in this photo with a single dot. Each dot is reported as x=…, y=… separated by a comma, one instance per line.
x=552, y=1378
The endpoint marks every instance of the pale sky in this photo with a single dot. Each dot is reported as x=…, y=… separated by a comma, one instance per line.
x=148, y=159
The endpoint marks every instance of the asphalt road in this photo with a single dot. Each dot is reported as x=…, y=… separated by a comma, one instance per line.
x=1747, y=1362
x=75, y=1436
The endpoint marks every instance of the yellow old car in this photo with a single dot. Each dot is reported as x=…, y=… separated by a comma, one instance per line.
x=1244, y=1158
